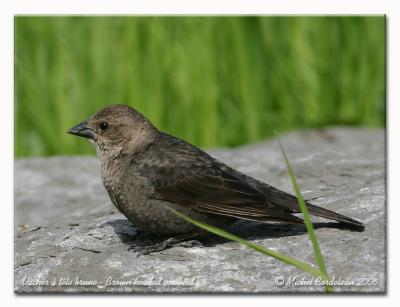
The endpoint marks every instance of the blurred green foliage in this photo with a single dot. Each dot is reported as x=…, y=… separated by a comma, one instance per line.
x=214, y=81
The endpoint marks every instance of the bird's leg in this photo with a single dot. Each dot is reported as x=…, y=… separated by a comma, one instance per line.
x=145, y=250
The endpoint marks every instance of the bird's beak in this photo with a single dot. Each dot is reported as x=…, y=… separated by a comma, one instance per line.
x=82, y=130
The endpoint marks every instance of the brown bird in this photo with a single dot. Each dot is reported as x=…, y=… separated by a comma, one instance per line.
x=145, y=171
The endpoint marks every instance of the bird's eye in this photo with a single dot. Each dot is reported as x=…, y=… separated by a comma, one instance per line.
x=103, y=126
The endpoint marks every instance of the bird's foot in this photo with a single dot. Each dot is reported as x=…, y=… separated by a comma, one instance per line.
x=145, y=250
x=181, y=240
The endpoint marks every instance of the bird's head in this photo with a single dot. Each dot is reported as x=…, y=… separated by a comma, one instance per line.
x=116, y=130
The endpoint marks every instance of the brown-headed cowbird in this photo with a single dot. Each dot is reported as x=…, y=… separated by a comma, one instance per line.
x=145, y=171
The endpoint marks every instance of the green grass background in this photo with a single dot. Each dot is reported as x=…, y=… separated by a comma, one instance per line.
x=214, y=81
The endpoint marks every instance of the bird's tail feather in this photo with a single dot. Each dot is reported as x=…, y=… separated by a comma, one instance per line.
x=328, y=214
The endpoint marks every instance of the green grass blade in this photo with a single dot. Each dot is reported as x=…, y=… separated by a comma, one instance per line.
x=222, y=233
x=307, y=219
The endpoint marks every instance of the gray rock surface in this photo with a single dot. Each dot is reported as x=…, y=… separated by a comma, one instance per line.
x=69, y=237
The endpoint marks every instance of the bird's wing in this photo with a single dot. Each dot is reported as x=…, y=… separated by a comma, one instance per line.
x=289, y=202
x=183, y=174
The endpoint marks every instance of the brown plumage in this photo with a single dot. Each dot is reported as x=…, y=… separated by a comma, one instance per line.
x=145, y=170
